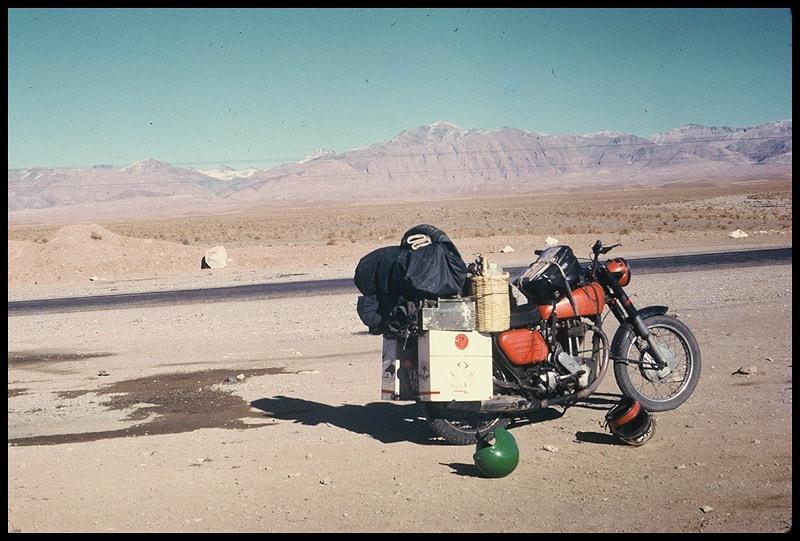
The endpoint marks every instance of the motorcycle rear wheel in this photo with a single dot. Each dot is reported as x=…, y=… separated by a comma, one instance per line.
x=642, y=383
x=458, y=427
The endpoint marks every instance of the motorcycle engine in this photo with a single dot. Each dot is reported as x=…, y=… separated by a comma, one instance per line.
x=571, y=364
x=566, y=369
x=571, y=368
x=577, y=365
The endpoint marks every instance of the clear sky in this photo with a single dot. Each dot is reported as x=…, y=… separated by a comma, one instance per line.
x=257, y=87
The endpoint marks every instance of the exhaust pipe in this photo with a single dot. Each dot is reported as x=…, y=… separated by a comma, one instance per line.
x=499, y=404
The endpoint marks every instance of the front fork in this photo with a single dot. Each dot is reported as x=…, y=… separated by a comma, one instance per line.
x=620, y=298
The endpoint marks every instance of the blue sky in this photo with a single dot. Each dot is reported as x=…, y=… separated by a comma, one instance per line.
x=205, y=87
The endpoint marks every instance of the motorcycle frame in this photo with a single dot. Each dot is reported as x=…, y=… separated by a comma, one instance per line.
x=630, y=318
x=621, y=305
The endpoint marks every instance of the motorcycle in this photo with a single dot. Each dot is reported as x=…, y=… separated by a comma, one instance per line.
x=552, y=351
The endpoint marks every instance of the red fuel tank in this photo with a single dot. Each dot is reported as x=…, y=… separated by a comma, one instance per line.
x=523, y=346
x=589, y=299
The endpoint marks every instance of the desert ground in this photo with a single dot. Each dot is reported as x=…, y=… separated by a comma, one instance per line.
x=56, y=259
x=135, y=420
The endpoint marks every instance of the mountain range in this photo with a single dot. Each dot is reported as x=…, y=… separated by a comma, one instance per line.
x=438, y=160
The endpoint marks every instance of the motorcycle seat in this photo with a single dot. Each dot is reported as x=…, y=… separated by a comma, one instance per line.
x=526, y=315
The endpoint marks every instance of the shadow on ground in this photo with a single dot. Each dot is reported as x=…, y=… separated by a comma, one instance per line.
x=463, y=470
x=599, y=438
x=387, y=422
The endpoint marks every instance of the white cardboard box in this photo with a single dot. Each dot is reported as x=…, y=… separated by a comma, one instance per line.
x=454, y=365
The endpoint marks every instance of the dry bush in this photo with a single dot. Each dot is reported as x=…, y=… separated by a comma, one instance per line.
x=678, y=207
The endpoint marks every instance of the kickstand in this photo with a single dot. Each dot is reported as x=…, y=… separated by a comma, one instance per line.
x=478, y=436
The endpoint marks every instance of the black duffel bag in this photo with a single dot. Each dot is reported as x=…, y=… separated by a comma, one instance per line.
x=555, y=273
x=395, y=279
x=433, y=267
x=378, y=277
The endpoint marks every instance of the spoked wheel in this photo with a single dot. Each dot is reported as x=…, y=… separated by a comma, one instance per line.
x=669, y=387
x=460, y=427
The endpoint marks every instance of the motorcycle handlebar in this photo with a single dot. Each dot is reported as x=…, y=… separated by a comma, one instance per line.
x=598, y=247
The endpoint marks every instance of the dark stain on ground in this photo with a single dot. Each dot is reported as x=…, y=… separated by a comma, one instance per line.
x=69, y=395
x=48, y=361
x=747, y=383
x=37, y=356
x=287, y=358
x=16, y=392
x=183, y=402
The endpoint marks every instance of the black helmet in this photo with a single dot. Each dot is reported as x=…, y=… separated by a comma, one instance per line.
x=630, y=422
x=497, y=460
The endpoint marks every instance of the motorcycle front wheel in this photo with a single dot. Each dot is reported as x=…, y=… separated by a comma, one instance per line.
x=641, y=380
x=460, y=427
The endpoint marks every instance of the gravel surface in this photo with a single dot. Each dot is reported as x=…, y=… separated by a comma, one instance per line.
x=264, y=416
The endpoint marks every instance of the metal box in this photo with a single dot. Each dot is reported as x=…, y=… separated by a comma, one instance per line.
x=454, y=365
x=450, y=315
x=399, y=369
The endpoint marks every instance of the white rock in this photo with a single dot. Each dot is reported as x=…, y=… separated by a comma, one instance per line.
x=706, y=509
x=217, y=257
x=738, y=234
x=506, y=249
x=747, y=370
x=550, y=241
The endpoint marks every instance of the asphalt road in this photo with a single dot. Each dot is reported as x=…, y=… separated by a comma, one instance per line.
x=645, y=265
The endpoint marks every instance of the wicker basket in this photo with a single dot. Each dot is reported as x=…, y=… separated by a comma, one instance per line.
x=492, y=307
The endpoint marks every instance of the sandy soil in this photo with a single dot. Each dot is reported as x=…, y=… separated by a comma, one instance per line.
x=124, y=421
x=54, y=259
x=135, y=420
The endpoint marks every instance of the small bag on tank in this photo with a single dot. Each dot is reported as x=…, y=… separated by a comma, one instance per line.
x=556, y=270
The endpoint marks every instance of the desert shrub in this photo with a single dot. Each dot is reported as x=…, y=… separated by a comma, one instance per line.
x=96, y=236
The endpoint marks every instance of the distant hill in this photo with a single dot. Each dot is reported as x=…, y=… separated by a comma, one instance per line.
x=436, y=160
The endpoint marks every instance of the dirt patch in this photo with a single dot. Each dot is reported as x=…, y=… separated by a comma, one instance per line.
x=43, y=360
x=337, y=459
x=69, y=395
x=168, y=404
x=16, y=392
